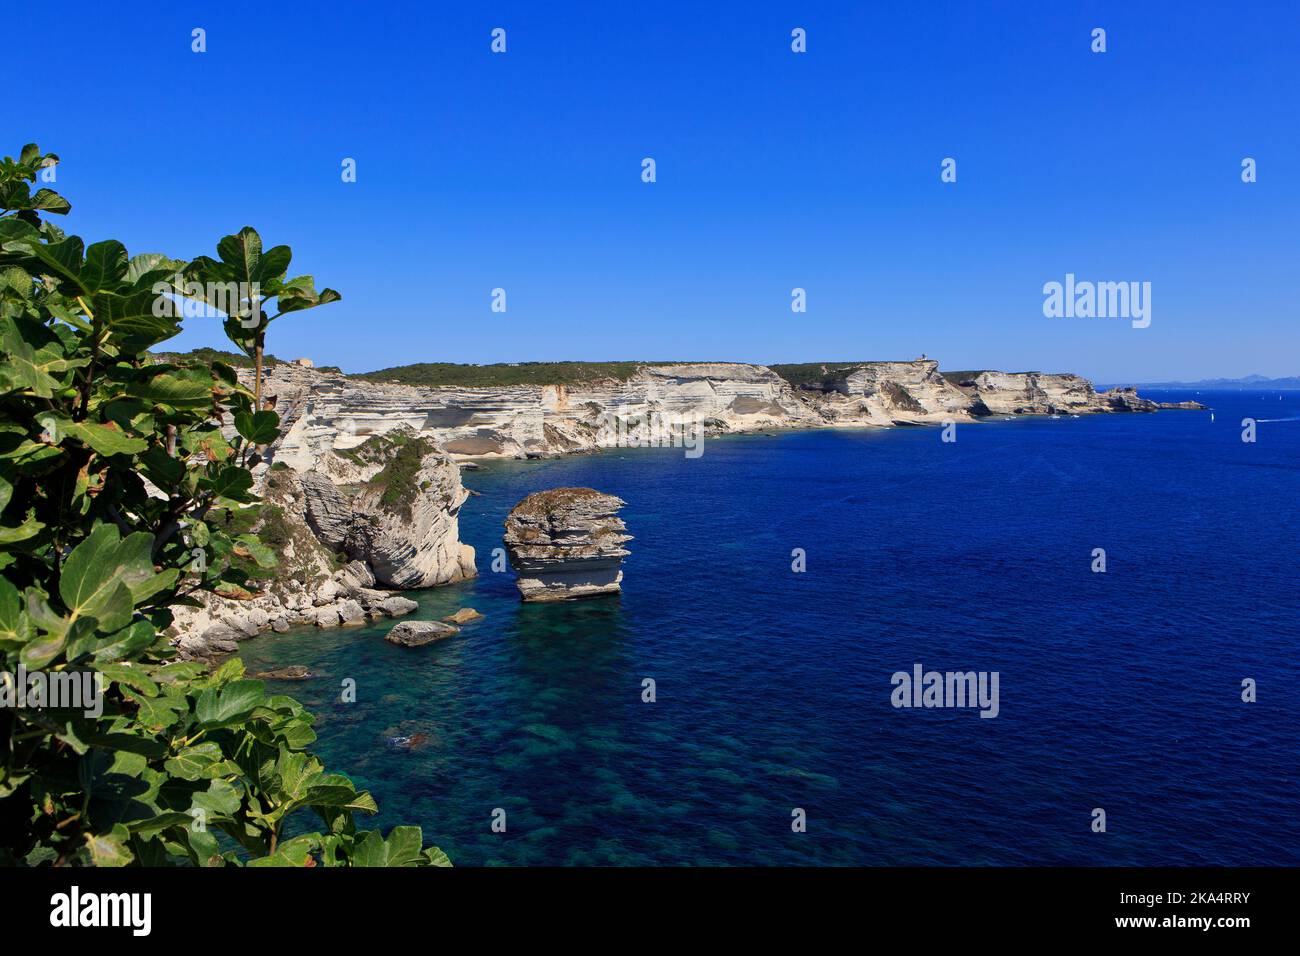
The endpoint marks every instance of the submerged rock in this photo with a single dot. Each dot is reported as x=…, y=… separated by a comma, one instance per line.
x=567, y=543
x=292, y=672
x=417, y=633
x=463, y=616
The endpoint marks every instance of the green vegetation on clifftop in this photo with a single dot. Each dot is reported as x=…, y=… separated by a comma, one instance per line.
x=512, y=373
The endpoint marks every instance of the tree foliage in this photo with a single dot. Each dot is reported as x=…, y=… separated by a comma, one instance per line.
x=113, y=468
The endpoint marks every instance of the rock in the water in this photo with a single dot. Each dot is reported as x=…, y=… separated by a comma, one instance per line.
x=292, y=672
x=327, y=616
x=566, y=543
x=221, y=638
x=1126, y=400
x=463, y=616
x=351, y=612
x=416, y=633
x=396, y=606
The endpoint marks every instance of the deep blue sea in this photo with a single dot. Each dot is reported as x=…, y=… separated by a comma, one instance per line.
x=1119, y=690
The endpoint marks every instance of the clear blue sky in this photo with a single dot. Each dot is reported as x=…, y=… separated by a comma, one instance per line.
x=775, y=170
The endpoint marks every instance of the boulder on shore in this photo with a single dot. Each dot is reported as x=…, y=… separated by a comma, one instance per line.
x=567, y=543
x=418, y=633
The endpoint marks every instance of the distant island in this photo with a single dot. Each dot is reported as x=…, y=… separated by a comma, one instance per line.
x=1247, y=383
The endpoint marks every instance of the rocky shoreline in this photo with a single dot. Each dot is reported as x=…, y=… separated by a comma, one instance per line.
x=363, y=489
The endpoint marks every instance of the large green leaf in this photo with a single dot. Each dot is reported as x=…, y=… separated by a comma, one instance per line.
x=149, y=267
x=232, y=703
x=47, y=200
x=126, y=643
x=105, y=439
x=242, y=252
x=23, y=367
x=405, y=845
x=258, y=428
x=130, y=675
x=222, y=798
x=293, y=852
x=47, y=646
x=137, y=320
x=15, y=534
x=14, y=625
x=370, y=850
x=135, y=555
x=231, y=484
x=61, y=260
x=272, y=266
x=300, y=293
x=91, y=584
x=175, y=390
x=105, y=266
x=109, y=849
x=194, y=763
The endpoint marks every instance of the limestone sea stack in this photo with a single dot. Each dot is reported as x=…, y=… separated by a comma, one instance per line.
x=567, y=543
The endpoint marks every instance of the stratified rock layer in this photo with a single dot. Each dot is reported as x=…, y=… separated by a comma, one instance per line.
x=325, y=413
x=409, y=543
x=414, y=544
x=567, y=543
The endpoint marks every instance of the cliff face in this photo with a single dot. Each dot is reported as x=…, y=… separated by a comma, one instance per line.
x=657, y=405
x=413, y=543
x=324, y=412
x=887, y=393
x=402, y=520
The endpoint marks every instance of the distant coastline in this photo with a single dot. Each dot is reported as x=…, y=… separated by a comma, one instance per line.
x=1247, y=383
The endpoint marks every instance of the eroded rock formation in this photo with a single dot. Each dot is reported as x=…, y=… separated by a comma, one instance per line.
x=566, y=543
x=404, y=522
x=396, y=526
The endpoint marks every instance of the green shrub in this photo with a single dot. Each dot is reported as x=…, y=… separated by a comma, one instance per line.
x=506, y=373
x=274, y=531
x=397, y=479
x=120, y=499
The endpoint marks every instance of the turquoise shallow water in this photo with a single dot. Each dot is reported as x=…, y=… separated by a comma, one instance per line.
x=1118, y=690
